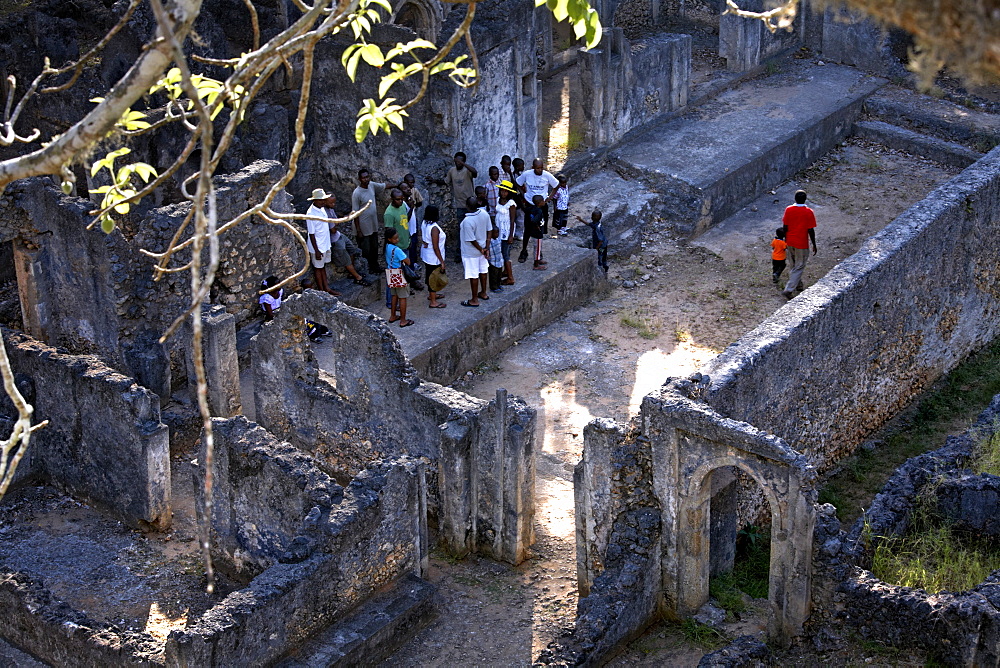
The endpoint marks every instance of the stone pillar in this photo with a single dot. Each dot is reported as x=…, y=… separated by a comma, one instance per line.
x=148, y=361
x=456, y=519
x=222, y=368
x=740, y=40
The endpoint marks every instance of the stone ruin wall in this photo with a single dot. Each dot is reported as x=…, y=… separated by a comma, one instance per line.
x=104, y=442
x=372, y=405
x=91, y=292
x=832, y=366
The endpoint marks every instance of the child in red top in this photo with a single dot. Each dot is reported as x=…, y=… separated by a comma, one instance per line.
x=778, y=246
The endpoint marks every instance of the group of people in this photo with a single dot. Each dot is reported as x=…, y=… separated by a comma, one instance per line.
x=508, y=209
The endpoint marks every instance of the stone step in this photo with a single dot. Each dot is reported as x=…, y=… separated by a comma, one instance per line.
x=721, y=155
x=445, y=343
x=372, y=632
x=928, y=115
x=939, y=150
x=626, y=206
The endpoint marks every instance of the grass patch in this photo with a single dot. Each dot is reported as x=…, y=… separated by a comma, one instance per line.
x=642, y=324
x=948, y=407
x=703, y=636
x=934, y=558
x=750, y=574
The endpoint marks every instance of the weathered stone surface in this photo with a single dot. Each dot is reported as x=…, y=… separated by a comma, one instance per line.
x=104, y=441
x=36, y=621
x=222, y=366
x=703, y=177
x=744, y=652
x=939, y=150
x=373, y=631
x=972, y=502
x=877, y=329
x=366, y=402
x=349, y=550
x=974, y=129
x=746, y=44
x=631, y=83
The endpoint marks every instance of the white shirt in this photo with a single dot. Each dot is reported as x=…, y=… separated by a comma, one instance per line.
x=319, y=228
x=475, y=227
x=503, y=217
x=273, y=302
x=562, y=198
x=537, y=184
x=427, y=255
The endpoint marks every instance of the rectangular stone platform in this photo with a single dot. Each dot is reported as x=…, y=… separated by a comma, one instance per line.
x=713, y=160
x=445, y=343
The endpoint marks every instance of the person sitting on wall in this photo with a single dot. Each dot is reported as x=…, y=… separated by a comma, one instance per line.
x=270, y=301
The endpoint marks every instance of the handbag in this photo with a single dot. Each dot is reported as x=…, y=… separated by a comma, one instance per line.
x=394, y=278
x=412, y=274
x=437, y=281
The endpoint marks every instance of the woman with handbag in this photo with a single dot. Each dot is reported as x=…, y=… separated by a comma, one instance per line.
x=395, y=258
x=432, y=238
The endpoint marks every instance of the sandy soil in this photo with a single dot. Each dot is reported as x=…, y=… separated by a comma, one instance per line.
x=690, y=300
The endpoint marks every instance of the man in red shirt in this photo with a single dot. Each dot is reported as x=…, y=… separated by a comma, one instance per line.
x=799, y=223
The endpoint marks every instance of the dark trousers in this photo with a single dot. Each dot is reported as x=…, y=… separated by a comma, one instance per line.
x=369, y=250
x=777, y=266
x=602, y=257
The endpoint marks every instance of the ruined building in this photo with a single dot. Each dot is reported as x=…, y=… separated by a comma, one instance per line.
x=339, y=467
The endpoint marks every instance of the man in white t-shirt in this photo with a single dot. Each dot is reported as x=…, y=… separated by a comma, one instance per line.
x=473, y=232
x=326, y=243
x=537, y=181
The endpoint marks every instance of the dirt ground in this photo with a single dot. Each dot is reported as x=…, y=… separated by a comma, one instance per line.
x=689, y=301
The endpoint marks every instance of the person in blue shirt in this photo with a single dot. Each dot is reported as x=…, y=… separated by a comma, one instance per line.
x=395, y=258
x=598, y=241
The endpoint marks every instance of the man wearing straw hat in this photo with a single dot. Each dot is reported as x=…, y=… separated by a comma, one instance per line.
x=326, y=243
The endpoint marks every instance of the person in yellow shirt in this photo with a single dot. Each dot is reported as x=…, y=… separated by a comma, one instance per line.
x=778, y=246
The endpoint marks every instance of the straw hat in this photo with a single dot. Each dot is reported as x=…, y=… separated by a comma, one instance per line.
x=508, y=186
x=319, y=193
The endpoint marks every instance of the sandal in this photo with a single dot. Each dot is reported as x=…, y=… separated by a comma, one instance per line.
x=406, y=323
x=436, y=305
x=362, y=281
x=466, y=303
x=394, y=319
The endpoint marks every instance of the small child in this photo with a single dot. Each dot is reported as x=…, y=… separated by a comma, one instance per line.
x=778, y=246
x=561, y=197
x=533, y=216
x=598, y=241
x=270, y=301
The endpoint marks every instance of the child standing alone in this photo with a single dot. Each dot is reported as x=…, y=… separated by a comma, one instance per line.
x=598, y=241
x=778, y=246
x=561, y=197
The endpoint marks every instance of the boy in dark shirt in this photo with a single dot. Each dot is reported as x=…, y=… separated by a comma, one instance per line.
x=598, y=241
x=534, y=214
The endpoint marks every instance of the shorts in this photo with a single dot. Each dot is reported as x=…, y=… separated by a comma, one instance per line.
x=505, y=251
x=402, y=293
x=319, y=264
x=475, y=266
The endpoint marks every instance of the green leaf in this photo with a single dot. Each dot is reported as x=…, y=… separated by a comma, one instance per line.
x=107, y=224
x=372, y=55
x=122, y=208
x=352, y=64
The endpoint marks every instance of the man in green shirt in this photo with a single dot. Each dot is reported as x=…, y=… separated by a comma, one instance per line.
x=397, y=216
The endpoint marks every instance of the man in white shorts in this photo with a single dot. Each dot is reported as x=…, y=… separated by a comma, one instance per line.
x=473, y=232
x=318, y=226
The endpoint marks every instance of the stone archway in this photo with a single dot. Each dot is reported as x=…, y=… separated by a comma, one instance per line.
x=692, y=442
x=423, y=16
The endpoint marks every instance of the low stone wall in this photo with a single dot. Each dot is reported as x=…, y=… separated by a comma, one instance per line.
x=104, y=442
x=320, y=551
x=839, y=360
x=369, y=404
x=51, y=630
